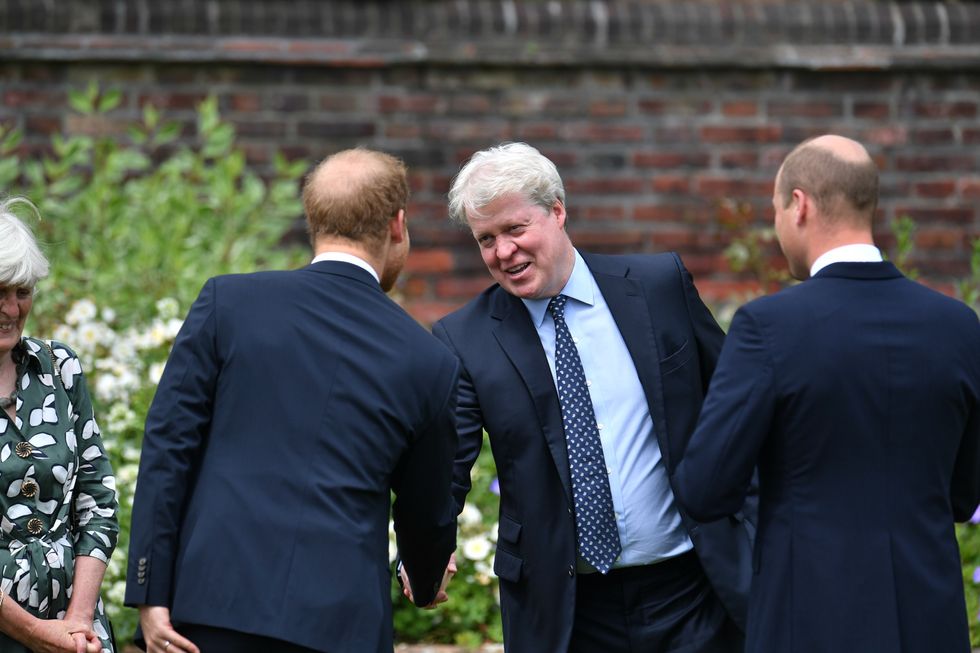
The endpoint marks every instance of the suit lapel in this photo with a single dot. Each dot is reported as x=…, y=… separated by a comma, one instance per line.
x=520, y=342
x=630, y=311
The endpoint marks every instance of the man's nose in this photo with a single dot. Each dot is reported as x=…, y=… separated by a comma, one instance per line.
x=505, y=248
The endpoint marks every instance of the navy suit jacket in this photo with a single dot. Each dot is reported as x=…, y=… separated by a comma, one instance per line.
x=292, y=404
x=856, y=393
x=506, y=387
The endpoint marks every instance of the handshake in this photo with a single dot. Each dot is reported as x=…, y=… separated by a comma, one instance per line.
x=441, y=595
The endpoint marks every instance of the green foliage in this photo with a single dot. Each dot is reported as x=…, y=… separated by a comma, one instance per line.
x=127, y=231
x=132, y=231
x=903, y=228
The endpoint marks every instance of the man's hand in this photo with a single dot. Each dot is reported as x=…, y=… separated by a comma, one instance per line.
x=160, y=635
x=441, y=595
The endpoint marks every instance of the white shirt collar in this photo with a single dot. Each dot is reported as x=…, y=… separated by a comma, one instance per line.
x=578, y=286
x=343, y=257
x=858, y=253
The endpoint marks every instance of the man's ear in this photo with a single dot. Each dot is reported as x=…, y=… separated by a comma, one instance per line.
x=558, y=210
x=801, y=207
x=397, y=227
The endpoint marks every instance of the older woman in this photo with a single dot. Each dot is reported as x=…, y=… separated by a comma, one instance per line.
x=57, y=492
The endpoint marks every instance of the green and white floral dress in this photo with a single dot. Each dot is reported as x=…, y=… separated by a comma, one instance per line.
x=52, y=459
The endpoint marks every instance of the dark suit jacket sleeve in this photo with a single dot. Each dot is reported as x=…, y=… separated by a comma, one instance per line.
x=715, y=475
x=176, y=427
x=469, y=425
x=709, y=335
x=423, y=512
x=965, y=487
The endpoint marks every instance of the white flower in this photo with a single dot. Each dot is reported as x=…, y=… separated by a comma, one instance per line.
x=81, y=311
x=470, y=516
x=167, y=308
x=476, y=548
x=155, y=372
x=108, y=315
x=63, y=333
x=89, y=335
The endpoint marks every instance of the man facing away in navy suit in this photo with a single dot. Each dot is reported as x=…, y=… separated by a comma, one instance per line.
x=291, y=406
x=856, y=394
x=587, y=372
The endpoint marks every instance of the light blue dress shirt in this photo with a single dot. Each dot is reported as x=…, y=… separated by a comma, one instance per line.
x=650, y=528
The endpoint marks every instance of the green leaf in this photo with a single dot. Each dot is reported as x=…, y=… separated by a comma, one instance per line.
x=110, y=100
x=167, y=133
x=11, y=141
x=9, y=168
x=80, y=101
x=150, y=116
x=136, y=134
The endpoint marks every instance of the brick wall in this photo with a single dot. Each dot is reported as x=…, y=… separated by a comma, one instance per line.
x=666, y=119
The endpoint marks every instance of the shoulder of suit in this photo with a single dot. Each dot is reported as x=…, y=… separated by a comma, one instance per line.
x=477, y=308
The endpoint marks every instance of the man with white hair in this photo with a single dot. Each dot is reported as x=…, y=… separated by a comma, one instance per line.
x=587, y=372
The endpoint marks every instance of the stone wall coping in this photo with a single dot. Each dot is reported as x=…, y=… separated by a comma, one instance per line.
x=807, y=34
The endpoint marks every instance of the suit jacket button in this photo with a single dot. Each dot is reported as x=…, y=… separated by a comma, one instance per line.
x=34, y=526
x=571, y=571
x=28, y=488
x=141, y=581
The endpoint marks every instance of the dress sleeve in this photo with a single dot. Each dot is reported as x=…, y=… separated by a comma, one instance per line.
x=95, y=499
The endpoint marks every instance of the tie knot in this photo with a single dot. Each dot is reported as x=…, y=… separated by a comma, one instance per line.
x=557, y=306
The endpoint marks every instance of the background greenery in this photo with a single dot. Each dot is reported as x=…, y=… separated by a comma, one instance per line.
x=134, y=229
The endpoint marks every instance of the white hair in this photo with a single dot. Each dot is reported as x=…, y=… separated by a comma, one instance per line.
x=504, y=170
x=21, y=261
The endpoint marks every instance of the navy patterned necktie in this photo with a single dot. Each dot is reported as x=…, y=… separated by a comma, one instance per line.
x=595, y=521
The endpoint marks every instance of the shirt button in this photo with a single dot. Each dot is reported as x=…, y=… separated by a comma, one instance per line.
x=600, y=426
x=23, y=449
x=588, y=383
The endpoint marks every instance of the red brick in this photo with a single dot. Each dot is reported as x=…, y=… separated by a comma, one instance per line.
x=939, y=136
x=670, y=160
x=685, y=107
x=946, y=109
x=740, y=108
x=739, y=160
x=397, y=130
x=732, y=187
x=970, y=188
x=178, y=101
x=671, y=184
x=804, y=109
x=608, y=133
x=28, y=98
x=603, y=186
x=945, y=239
x=429, y=260
x=887, y=135
x=339, y=103
x=607, y=108
x=478, y=104
x=602, y=212
x=924, y=216
x=658, y=212
x=971, y=136
x=872, y=110
x=937, y=163
x=426, y=104
x=42, y=124
x=413, y=287
x=245, y=102
x=605, y=239
x=935, y=188
x=462, y=288
x=720, y=134
x=676, y=239
x=537, y=131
